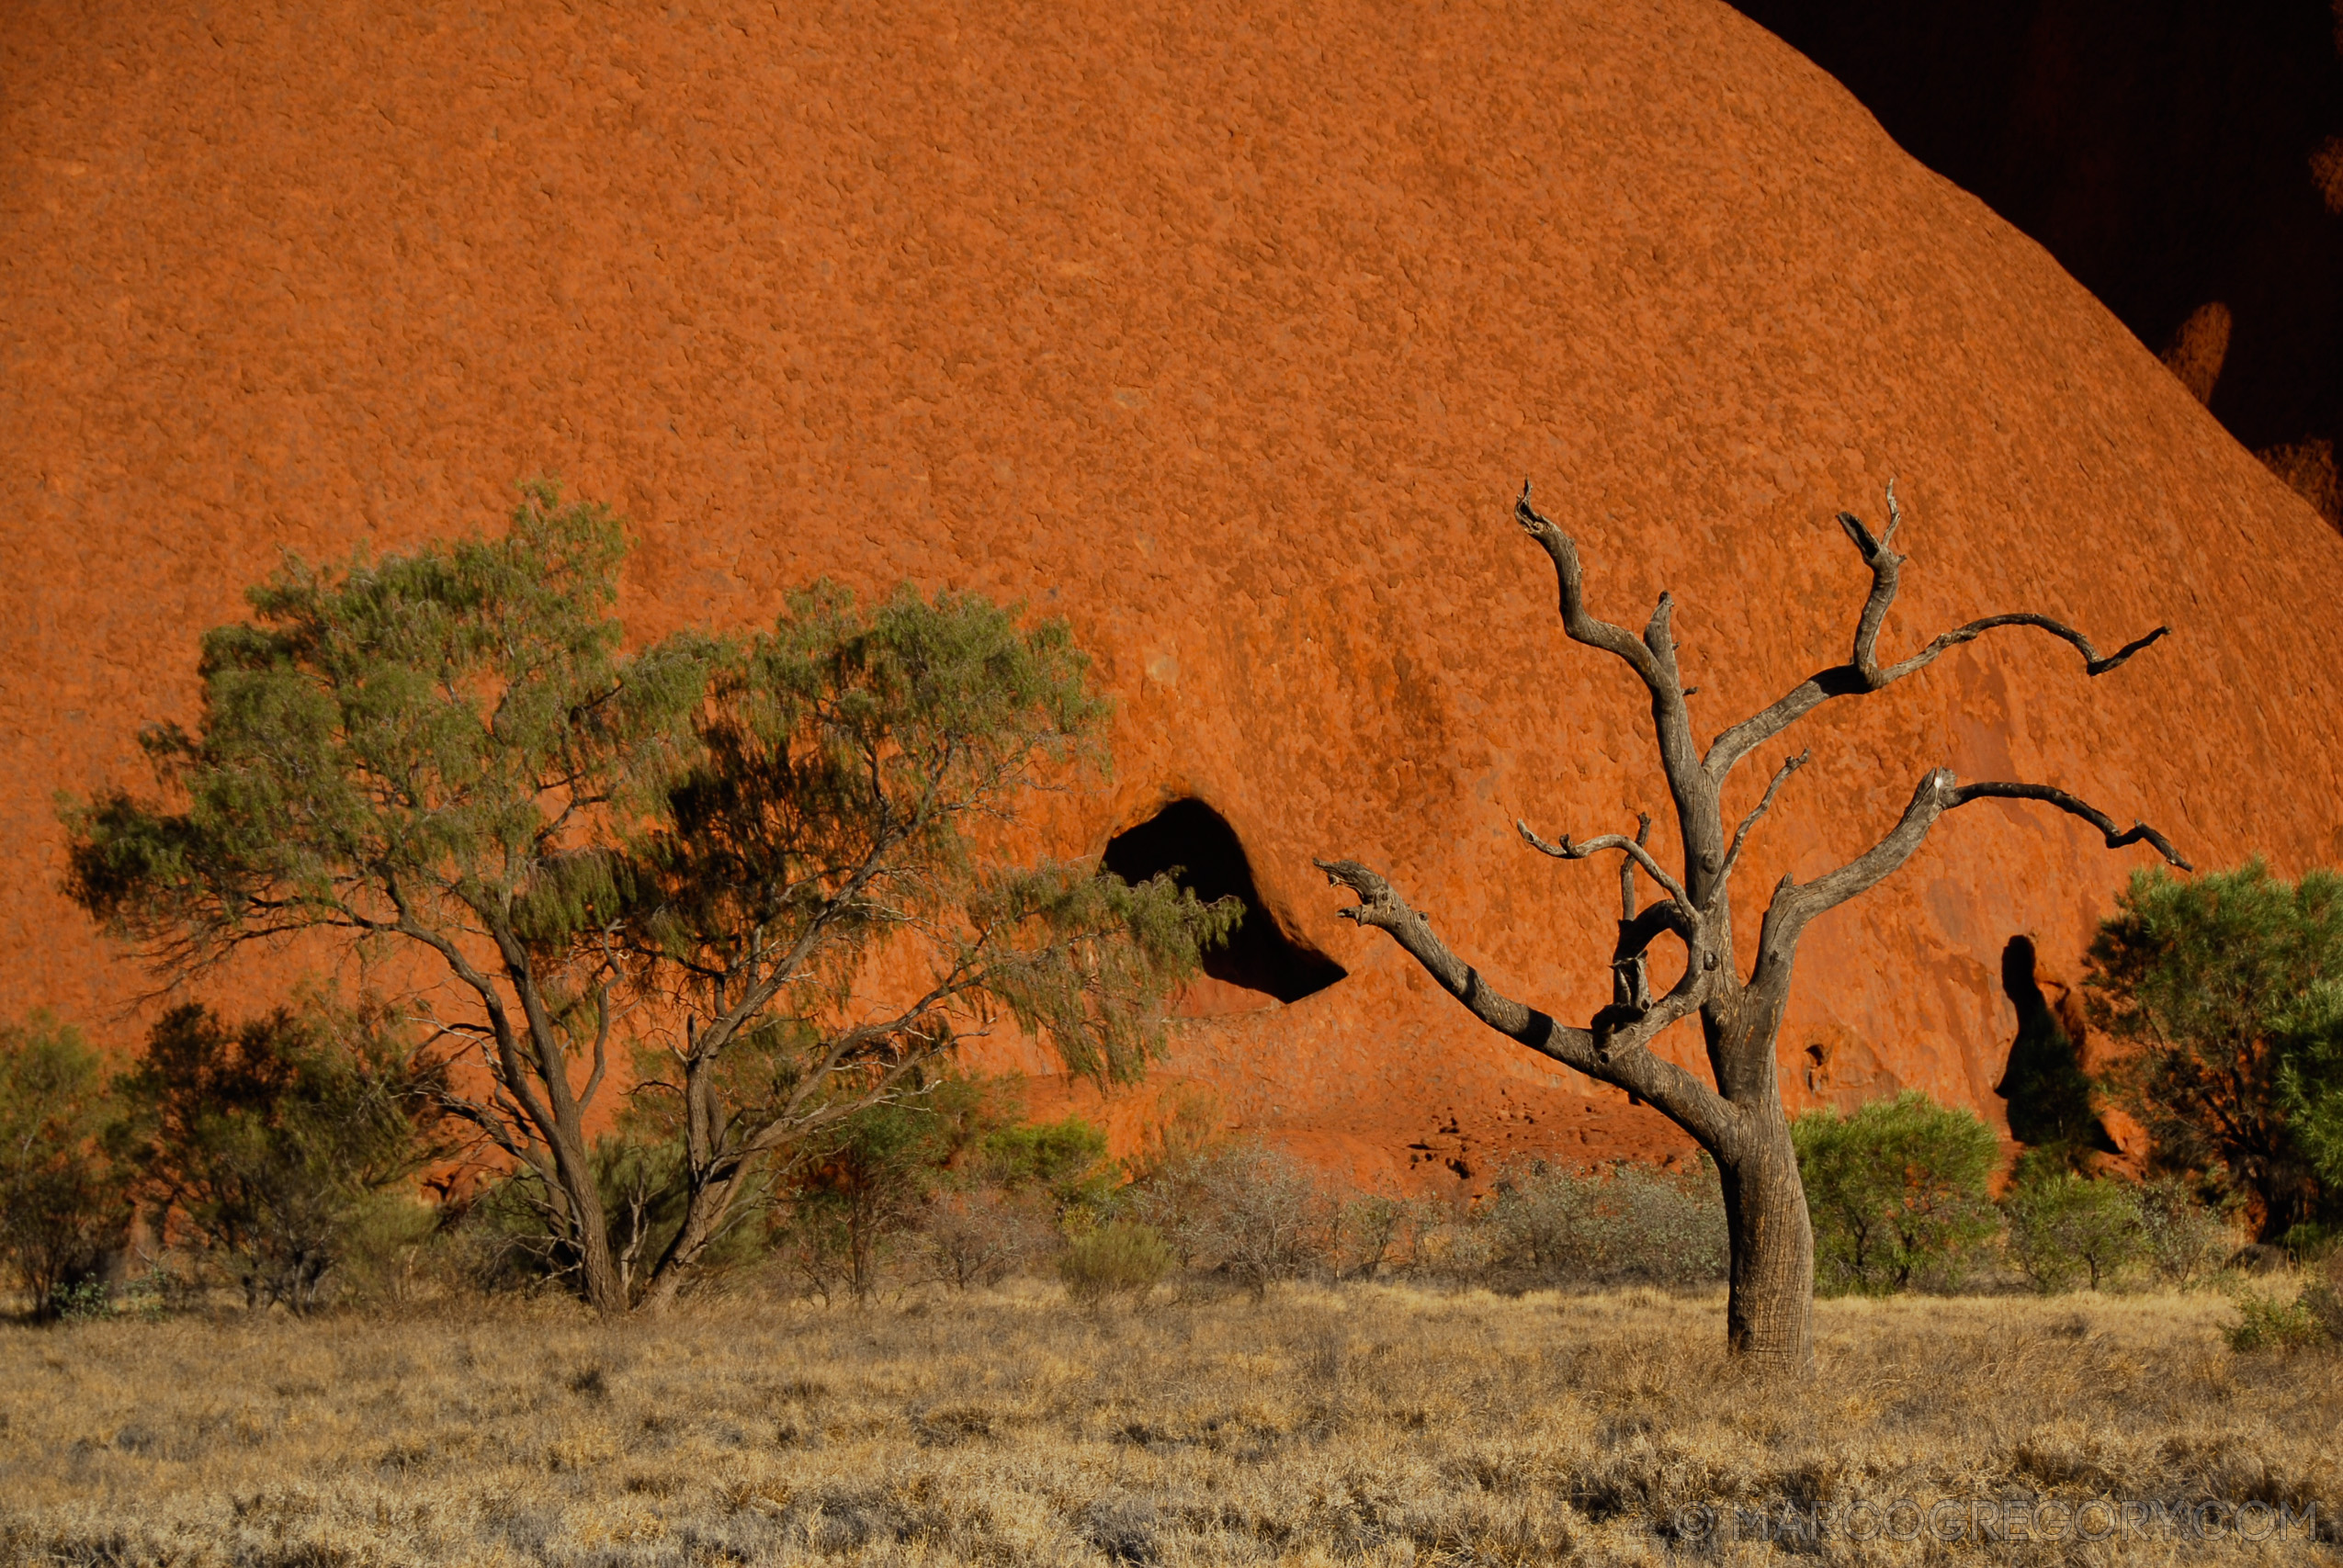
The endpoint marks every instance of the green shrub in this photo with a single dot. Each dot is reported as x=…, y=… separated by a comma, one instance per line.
x=1065, y=1160
x=1121, y=1257
x=274, y=1144
x=1004, y=1203
x=2066, y=1229
x=2313, y=1318
x=1896, y=1192
x=2271, y=1323
x=61, y=1200
x=2186, y=1241
x=876, y=1170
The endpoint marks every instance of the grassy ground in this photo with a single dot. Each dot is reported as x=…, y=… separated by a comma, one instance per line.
x=1369, y=1424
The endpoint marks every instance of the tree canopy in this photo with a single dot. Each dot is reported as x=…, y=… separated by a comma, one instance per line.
x=2224, y=983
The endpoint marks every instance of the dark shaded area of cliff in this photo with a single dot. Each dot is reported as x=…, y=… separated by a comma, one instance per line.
x=2048, y=1093
x=2183, y=159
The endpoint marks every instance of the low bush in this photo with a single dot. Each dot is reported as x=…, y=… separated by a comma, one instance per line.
x=1266, y=1217
x=1373, y=1232
x=2274, y=1322
x=981, y=1235
x=1120, y=1258
x=2186, y=1240
x=272, y=1145
x=1065, y=1162
x=1896, y=1192
x=2312, y=1317
x=2068, y=1230
x=1002, y=1210
x=1546, y=1226
x=62, y=1199
x=1251, y=1213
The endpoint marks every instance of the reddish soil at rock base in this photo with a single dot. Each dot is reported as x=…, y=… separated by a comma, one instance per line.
x=1227, y=332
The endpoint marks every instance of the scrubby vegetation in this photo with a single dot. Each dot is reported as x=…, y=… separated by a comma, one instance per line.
x=1036, y=1371
x=60, y=1197
x=1898, y=1192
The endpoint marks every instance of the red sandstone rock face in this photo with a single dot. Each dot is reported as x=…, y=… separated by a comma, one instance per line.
x=1226, y=331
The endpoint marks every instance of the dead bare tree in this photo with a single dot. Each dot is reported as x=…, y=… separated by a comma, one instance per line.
x=1740, y=1121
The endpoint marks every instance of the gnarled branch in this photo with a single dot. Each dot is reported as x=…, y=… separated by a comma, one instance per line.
x=1862, y=673
x=1567, y=850
x=1740, y=835
x=1796, y=904
x=1583, y=626
x=1627, y=868
x=2073, y=805
x=1382, y=909
x=1630, y=981
x=1688, y=1102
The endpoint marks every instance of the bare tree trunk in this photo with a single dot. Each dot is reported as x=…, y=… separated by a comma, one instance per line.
x=563, y=1115
x=589, y=1225
x=536, y=1102
x=1768, y=1314
x=1739, y=1117
x=714, y=1174
x=705, y=1209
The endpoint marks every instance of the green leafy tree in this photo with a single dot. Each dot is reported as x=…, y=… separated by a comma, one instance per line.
x=2067, y=1229
x=62, y=1199
x=1896, y=1192
x=2309, y=1041
x=824, y=903
x=273, y=1142
x=2223, y=982
x=424, y=751
x=786, y=844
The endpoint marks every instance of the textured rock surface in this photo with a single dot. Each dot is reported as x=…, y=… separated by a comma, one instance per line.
x=1227, y=332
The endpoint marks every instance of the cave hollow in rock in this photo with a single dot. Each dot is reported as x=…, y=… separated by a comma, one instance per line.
x=1196, y=844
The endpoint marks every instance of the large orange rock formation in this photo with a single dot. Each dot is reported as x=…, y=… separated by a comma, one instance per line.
x=1229, y=332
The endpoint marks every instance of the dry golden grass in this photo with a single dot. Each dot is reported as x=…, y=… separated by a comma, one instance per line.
x=1369, y=1425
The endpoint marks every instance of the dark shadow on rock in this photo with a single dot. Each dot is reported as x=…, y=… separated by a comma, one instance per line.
x=2048, y=1093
